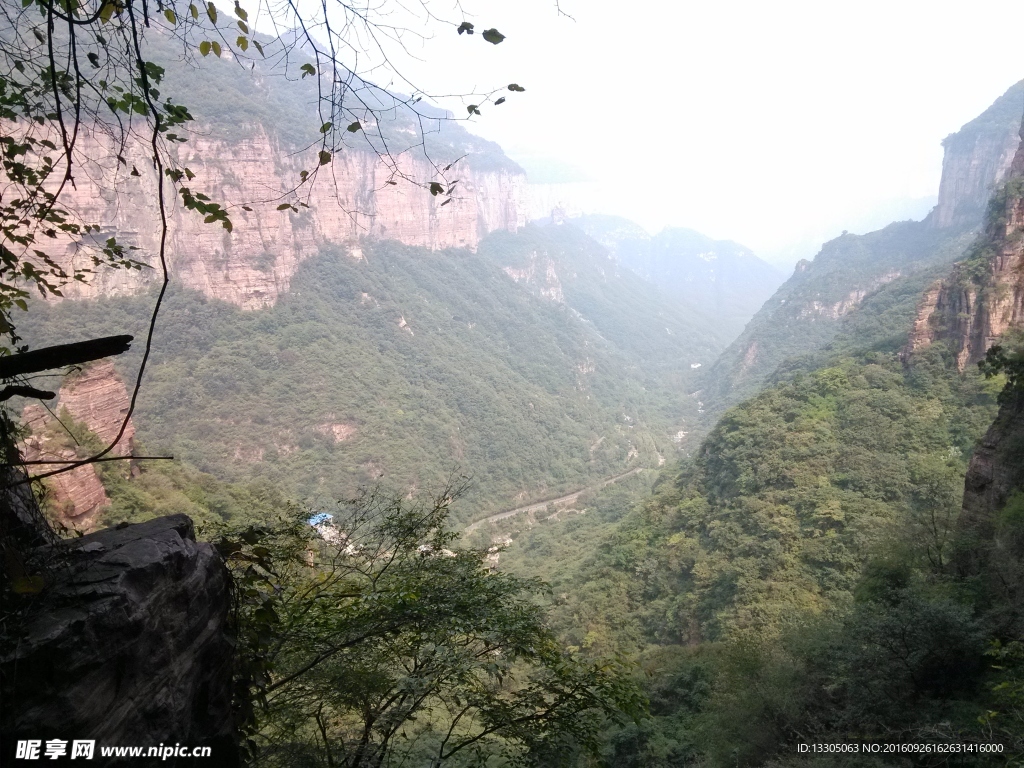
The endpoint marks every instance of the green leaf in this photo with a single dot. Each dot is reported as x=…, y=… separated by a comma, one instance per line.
x=107, y=11
x=493, y=36
x=194, y=11
x=204, y=47
x=326, y=127
x=211, y=11
x=242, y=42
x=516, y=88
x=499, y=101
x=284, y=206
x=216, y=47
x=325, y=157
x=241, y=13
x=256, y=44
x=465, y=27
x=445, y=203
x=353, y=127
x=169, y=15
x=243, y=26
x=435, y=188
x=307, y=69
x=472, y=109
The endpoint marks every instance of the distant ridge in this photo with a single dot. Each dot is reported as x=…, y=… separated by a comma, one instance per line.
x=723, y=279
x=856, y=279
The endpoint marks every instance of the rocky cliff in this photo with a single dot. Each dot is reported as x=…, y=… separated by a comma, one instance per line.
x=855, y=279
x=984, y=295
x=357, y=196
x=97, y=398
x=127, y=644
x=976, y=159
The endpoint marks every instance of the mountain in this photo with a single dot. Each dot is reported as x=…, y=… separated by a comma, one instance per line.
x=532, y=365
x=887, y=269
x=255, y=134
x=723, y=279
x=983, y=298
x=842, y=559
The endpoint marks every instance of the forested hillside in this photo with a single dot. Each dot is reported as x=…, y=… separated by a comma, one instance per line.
x=819, y=571
x=437, y=487
x=532, y=366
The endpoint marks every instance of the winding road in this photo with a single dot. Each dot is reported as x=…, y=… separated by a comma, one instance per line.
x=539, y=505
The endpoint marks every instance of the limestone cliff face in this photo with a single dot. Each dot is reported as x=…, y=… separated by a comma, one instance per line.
x=984, y=296
x=350, y=199
x=77, y=497
x=98, y=398
x=977, y=158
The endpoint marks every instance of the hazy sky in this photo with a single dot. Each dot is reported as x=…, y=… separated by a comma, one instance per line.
x=773, y=124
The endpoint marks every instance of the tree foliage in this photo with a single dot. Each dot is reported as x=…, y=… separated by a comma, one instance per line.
x=368, y=637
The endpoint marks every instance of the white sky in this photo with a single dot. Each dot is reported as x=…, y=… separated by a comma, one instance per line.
x=774, y=124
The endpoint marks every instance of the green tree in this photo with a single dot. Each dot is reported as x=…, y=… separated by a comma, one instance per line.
x=369, y=637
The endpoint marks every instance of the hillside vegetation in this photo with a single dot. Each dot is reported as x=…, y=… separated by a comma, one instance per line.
x=408, y=365
x=809, y=576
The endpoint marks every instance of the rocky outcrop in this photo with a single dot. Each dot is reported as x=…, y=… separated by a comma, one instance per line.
x=847, y=303
x=356, y=196
x=541, y=275
x=127, y=644
x=98, y=398
x=921, y=334
x=76, y=498
x=977, y=158
x=984, y=296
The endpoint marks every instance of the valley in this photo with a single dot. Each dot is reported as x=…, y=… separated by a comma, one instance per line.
x=460, y=487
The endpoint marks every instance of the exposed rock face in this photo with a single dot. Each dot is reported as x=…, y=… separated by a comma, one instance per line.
x=541, y=275
x=977, y=158
x=847, y=303
x=98, y=398
x=921, y=333
x=829, y=294
x=129, y=645
x=78, y=496
x=984, y=296
x=351, y=198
